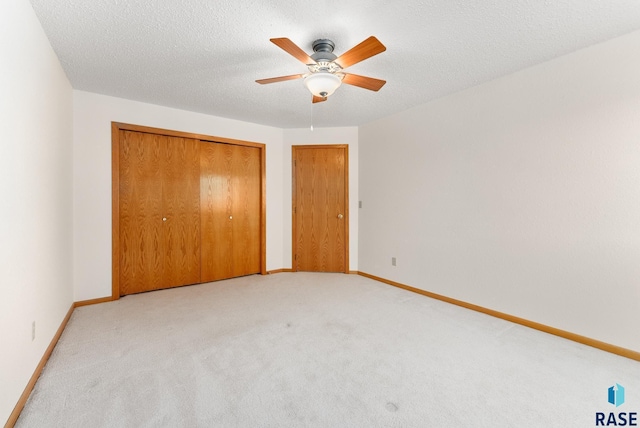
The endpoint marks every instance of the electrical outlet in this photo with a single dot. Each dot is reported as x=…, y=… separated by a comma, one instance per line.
x=33, y=331
x=393, y=261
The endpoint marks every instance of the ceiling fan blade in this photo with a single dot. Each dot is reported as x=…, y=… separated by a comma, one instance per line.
x=279, y=79
x=364, y=50
x=293, y=49
x=318, y=99
x=363, y=82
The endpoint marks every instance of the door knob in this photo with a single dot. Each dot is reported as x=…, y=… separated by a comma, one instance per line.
x=230, y=217
x=339, y=215
x=164, y=219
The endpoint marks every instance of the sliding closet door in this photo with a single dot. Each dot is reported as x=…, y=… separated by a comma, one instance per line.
x=230, y=187
x=159, y=212
x=186, y=208
x=181, y=211
x=216, y=211
x=140, y=212
x=245, y=189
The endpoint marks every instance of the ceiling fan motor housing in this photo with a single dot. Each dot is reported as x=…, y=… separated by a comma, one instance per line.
x=323, y=50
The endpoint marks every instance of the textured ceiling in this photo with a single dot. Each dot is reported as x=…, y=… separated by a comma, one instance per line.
x=205, y=55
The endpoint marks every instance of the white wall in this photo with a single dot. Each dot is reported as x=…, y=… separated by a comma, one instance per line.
x=36, y=192
x=93, y=115
x=520, y=195
x=304, y=136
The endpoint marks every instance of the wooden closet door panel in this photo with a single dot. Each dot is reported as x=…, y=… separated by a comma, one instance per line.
x=140, y=212
x=245, y=190
x=181, y=211
x=215, y=202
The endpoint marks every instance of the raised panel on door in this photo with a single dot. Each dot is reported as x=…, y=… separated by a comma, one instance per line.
x=320, y=211
x=245, y=188
x=140, y=212
x=215, y=209
x=181, y=211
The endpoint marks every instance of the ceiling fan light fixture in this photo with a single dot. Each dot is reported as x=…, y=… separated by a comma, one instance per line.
x=322, y=84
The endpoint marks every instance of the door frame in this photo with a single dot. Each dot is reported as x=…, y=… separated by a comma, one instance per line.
x=116, y=127
x=294, y=245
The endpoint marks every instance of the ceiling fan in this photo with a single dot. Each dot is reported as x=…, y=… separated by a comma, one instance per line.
x=325, y=68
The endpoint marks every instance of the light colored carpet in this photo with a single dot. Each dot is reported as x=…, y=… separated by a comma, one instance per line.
x=319, y=350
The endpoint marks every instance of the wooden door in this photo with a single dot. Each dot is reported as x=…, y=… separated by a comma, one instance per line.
x=245, y=190
x=156, y=176
x=320, y=208
x=180, y=211
x=140, y=213
x=215, y=200
x=230, y=193
x=159, y=212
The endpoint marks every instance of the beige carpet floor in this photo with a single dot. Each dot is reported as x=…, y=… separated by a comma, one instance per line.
x=315, y=350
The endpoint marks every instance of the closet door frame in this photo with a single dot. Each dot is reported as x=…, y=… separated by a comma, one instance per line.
x=116, y=127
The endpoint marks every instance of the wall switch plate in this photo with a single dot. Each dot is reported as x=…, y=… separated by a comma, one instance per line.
x=393, y=261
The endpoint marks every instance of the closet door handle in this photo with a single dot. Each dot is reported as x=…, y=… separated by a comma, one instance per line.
x=164, y=219
x=340, y=216
x=230, y=217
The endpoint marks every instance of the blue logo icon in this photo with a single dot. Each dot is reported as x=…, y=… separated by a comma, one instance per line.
x=616, y=395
